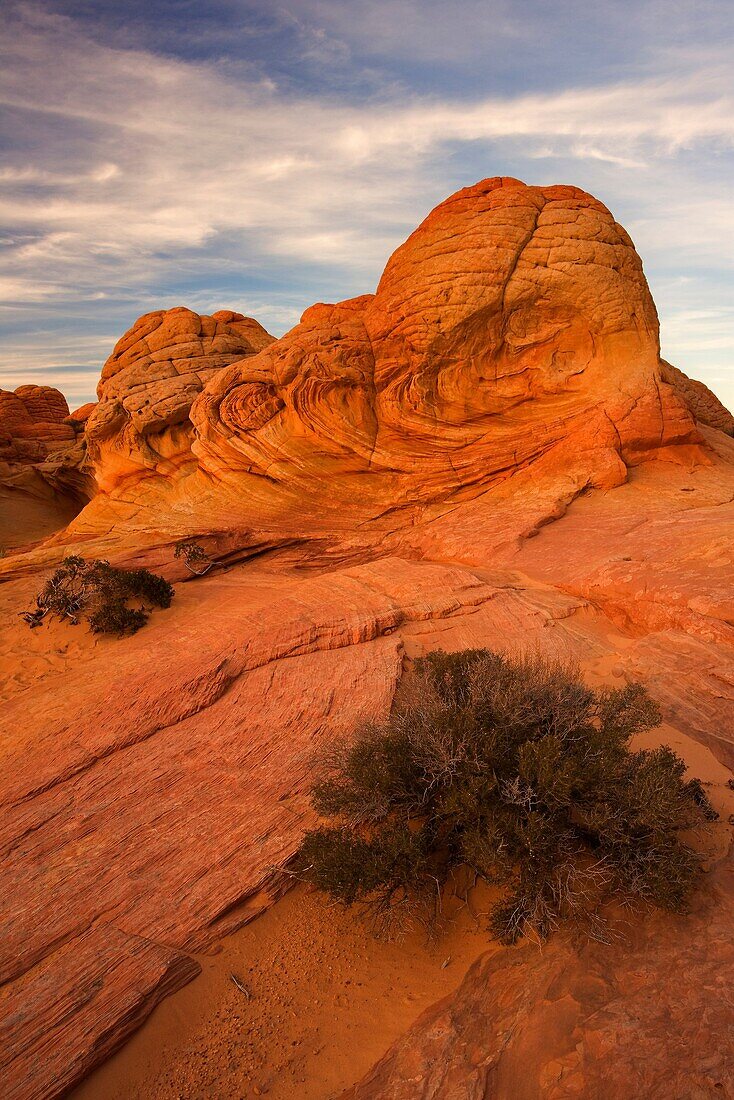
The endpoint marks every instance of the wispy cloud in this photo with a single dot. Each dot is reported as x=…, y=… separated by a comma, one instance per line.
x=134, y=176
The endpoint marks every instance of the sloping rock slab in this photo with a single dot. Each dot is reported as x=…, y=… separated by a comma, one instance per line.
x=648, y=1018
x=151, y=789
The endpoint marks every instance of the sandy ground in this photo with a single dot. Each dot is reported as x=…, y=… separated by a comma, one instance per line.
x=326, y=1001
x=28, y=517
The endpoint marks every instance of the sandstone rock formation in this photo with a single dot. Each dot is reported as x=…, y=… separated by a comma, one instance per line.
x=514, y=320
x=488, y=451
x=581, y=1019
x=704, y=404
x=150, y=381
x=512, y=334
x=33, y=422
x=42, y=486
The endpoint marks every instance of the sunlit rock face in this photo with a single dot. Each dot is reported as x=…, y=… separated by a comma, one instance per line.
x=149, y=382
x=703, y=404
x=512, y=319
x=33, y=422
x=487, y=452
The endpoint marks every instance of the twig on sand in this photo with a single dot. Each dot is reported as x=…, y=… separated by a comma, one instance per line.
x=241, y=986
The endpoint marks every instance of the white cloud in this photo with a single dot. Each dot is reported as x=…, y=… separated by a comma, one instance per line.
x=168, y=164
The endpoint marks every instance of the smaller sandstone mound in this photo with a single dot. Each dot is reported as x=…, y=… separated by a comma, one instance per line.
x=42, y=485
x=82, y=414
x=32, y=424
x=704, y=404
x=149, y=382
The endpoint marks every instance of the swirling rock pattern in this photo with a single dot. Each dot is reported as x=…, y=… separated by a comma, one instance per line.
x=513, y=318
x=149, y=382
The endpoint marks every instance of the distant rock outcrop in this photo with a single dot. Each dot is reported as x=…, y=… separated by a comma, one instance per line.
x=34, y=420
x=150, y=381
x=82, y=414
x=704, y=404
x=42, y=484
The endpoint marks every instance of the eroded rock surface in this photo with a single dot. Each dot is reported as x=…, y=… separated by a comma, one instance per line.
x=649, y=1016
x=704, y=404
x=485, y=452
x=150, y=381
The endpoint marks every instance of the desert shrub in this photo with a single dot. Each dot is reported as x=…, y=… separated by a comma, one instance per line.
x=195, y=557
x=115, y=617
x=101, y=593
x=517, y=771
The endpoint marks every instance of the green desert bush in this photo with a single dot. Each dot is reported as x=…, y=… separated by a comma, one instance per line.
x=516, y=771
x=101, y=593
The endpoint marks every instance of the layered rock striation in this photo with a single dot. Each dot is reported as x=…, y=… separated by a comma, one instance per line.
x=34, y=421
x=488, y=451
x=149, y=383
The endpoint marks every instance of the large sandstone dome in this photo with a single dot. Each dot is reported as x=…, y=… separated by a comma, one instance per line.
x=486, y=452
x=513, y=330
x=511, y=319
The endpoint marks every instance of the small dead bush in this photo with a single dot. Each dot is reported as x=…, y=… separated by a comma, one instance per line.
x=195, y=557
x=517, y=771
x=102, y=594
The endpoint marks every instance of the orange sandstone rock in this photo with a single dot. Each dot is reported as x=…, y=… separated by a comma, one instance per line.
x=488, y=451
x=32, y=423
x=149, y=382
x=513, y=333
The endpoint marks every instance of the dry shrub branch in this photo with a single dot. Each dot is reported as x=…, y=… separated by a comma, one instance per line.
x=515, y=770
x=114, y=601
x=194, y=556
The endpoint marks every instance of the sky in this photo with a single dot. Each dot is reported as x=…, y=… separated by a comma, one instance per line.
x=261, y=156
